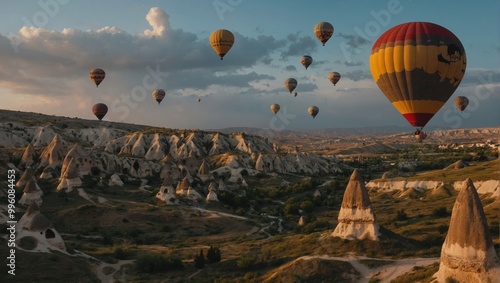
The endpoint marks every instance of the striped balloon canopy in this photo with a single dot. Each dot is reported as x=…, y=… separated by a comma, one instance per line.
x=418, y=66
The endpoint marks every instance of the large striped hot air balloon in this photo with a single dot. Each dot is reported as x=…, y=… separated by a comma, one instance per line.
x=418, y=66
x=221, y=41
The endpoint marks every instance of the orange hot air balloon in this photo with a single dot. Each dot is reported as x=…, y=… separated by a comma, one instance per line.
x=97, y=75
x=100, y=110
x=306, y=61
x=334, y=77
x=461, y=102
x=221, y=41
x=323, y=31
x=158, y=95
x=418, y=66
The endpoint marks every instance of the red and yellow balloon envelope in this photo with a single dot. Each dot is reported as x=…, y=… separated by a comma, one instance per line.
x=418, y=66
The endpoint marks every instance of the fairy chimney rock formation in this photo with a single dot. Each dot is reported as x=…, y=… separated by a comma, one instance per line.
x=356, y=218
x=167, y=192
x=53, y=154
x=28, y=157
x=211, y=196
x=468, y=254
x=27, y=175
x=31, y=193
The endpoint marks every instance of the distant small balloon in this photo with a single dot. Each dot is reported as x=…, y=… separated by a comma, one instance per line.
x=306, y=61
x=158, y=95
x=97, y=75
x=290, y=84
x=313, y=111
x=100, y=110
x=295, y=94
x=461, y=102
x=334, y=77
x=323, y=31
x=199, y=99
x=275, y=108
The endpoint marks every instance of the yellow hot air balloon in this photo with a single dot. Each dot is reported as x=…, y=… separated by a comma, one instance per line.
x=290, y=84
x=323, y=31
x=334, y=77
x=306, y=61
x=418, y=66
x=158, y=95
x=97, y=75
x=221, y=41
x=313, y=111
x=461, y=102
x=275, y=108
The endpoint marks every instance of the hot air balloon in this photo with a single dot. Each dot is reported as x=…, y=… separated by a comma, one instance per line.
x=221, y=40
x=306, y=61
x=323, y=31
x=334, y=77
x=100, y=110
x=97, y=75
x=199, y=99
x=290, y=84
x=158, y=95
x=418, y=66
x=275, y=108
x=295, y=94
x=461, y=102
x=313, y=111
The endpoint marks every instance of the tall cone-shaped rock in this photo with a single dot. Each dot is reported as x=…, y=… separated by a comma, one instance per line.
x=356, y=218
x=28, y=157
x=54, y=153
x=468, y=254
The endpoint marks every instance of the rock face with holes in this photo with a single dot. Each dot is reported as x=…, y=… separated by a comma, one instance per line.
x=468, y=254
x=167, y=192
x=36, y=229
x=356, y=217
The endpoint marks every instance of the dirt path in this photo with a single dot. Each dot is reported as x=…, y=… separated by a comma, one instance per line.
x=386, y=273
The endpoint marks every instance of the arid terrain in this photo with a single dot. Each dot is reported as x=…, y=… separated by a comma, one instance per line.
x=139, y=204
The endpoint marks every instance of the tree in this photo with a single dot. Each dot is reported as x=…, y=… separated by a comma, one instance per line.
x=199, y=260
x=213, y=255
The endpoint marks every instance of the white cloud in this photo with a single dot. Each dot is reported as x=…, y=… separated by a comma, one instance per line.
x=158, y=20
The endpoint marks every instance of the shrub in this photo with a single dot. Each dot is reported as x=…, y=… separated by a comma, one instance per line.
x=213, y=255
x=199, y=260
x=401, y=215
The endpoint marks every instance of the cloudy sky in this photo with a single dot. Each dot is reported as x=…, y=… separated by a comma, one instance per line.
x=48, y=47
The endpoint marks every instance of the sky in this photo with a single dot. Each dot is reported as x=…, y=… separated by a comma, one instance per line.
x=48, y=47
